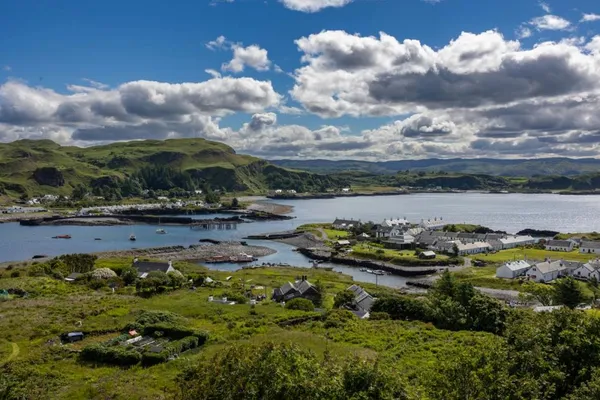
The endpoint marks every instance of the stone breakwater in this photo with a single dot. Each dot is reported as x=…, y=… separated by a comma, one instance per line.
x=196, y=252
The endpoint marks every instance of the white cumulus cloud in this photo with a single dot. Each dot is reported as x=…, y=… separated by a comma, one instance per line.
x=311, y=6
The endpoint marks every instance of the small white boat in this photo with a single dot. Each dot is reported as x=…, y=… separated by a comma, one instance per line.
x=161, y=231
x=132, y=237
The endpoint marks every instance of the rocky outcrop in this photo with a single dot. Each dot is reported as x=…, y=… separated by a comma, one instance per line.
x=49, y=176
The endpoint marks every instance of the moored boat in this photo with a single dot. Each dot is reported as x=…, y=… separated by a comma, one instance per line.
x=62, y=237
x=132, y=237
x=161, y=231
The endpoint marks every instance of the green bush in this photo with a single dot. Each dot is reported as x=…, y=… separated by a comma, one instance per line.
x=96, y=284
x=234, y=296
x=338, y=318
x=379, y=316
x=300, y=304
x=15, y=274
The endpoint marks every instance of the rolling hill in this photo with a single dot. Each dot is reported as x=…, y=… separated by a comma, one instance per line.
x=486, y=166
x=38, y=167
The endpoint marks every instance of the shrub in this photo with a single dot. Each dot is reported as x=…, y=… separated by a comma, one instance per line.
x=103, y=273
x=379, y=316
x=96, y=284
x=300, y=304
x=15, y=274
x=338, y=318
x=234, y=296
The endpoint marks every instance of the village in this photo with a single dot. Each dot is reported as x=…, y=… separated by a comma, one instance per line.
x=435, y=238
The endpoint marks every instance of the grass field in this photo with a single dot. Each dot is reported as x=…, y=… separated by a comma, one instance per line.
x=54, y=307
x=373, y=251
x=486, y=277
x=532, y=254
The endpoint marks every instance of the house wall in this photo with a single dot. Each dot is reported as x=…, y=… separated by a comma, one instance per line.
x=587, y=250
x=559, y=248
x=507, y=273
x=537, y=276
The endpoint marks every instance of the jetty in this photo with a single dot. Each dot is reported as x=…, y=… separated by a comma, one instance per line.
x=209, y=225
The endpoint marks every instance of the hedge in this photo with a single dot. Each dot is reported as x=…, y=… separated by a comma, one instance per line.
x=110, y=355
x=177, y=347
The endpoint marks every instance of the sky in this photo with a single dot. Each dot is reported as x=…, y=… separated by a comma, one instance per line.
x=331, y=79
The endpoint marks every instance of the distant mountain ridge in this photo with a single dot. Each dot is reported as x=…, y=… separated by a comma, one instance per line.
x=488, y=166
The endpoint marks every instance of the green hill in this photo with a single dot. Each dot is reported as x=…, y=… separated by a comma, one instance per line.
x=487, y=166
x=37, y=167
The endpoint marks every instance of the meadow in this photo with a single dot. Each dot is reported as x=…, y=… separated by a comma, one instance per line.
x=29, y=349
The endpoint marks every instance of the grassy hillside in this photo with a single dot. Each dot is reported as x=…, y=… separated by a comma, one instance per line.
x=488, y=166
x=37, y=167
x=46, y=370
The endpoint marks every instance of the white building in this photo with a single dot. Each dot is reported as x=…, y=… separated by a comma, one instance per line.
x=473, y=248
x=402, y=239
x=435, y=223
x=511, y=242
x=546, y=271
x=345, y=224
x=346, y=190
x=588, y=270
x=512, y=270
x=560, y=245
x=395, y=222
x=590, y=247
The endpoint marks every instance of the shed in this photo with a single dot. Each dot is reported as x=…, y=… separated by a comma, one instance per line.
x=427, y=255
x=73, y=337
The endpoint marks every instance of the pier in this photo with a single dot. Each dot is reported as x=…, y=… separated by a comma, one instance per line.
x=210, y=225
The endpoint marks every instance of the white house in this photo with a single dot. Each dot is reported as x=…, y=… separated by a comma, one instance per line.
x=546, y=271
x=560, y=245
x=588, y=270
x=473, y=248
x=344, y=224
x=395, y=222
x=432, y=224
x=512, y=270
x=346, y=190
x=590, y=247
x=511, y=242
x=291, y=191
x=278, y=191
x=403, y=238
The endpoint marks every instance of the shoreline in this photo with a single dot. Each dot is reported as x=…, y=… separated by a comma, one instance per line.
x=200, y=253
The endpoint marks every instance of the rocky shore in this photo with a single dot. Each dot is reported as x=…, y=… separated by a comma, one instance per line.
x=198, y=252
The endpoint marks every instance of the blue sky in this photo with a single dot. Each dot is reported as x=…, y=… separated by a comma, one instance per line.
x=61, y=61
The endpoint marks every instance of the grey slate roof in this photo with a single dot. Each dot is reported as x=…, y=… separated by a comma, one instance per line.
x=559, y=243
x=590, y=245
x=148, y=266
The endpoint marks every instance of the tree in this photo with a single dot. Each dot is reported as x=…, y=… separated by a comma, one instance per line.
x=455, y=250
x=318, y=299
x=129, y=275
x=343, y=298
x=538, y=292
x=569, y=292
x=235, y=203
x=79, y=192
x=446, y=285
